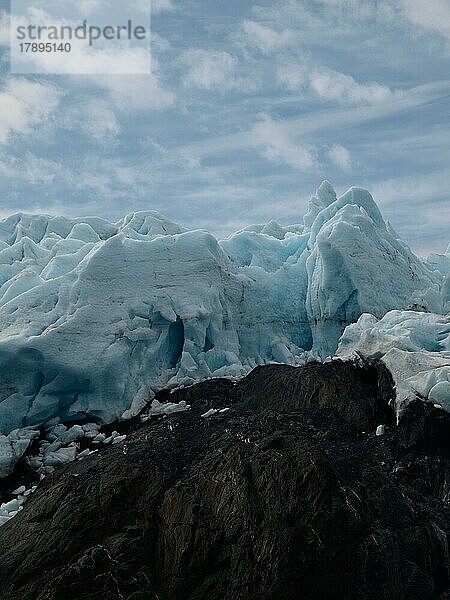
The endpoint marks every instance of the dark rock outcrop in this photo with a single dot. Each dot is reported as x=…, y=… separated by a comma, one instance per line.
x=287, y=495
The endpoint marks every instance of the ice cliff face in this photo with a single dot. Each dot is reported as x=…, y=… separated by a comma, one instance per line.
x=94, y=316
x=357, y=264
x=414, y=346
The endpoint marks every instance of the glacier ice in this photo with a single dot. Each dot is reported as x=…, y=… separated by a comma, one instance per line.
x=357, y=264
x=446, y=293
x=96, y=317
x=440, y=262
x=13, y=446
x=415, y=346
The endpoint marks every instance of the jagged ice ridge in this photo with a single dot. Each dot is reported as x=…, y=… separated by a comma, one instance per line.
x=95, y=317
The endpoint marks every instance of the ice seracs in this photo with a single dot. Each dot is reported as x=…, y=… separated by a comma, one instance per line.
x=356, y=265
x=96, y=317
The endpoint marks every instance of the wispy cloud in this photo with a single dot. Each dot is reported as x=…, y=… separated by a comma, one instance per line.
x=95, y=118
x=88, y=7
x=431, y=15
x=419, y=208
x=159, y=6
x=25, y=105
x=209, y=69
x=331, y=119
x=330, y=85
x=264, y=38
x=340, y=156
x=134, y=92
x=273, y=142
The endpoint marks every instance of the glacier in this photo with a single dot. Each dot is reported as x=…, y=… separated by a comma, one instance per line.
x=96, y=317
x=415, y=346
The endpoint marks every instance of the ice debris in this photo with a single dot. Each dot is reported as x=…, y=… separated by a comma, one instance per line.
x=62, y=445
x=380, y=430
x=210, y=413
x=13, y=447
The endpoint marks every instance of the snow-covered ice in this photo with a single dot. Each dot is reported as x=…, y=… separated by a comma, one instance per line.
x=96, y=317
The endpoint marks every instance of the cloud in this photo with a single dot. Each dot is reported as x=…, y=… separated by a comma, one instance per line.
x=128, y=73
x=85, y=60
x=321, y=22
x=93, y=175
x=265, y=39
x=418, y=207
x=322, y=72
x=154, y=6
x=335, y=18
x=94, y=117
x=25, y=105
x=272, y=140
x=38, y=170
x=135, y=92
x=333, y=86
x=88, y=7
x=55, y=209
x=432, y=15
x=6, y=170
x=340, y=156
x=209, y=69
x=29, y=168
x=331, y=120
x=117, y=57
x=159, y=6
x=100, y=122
x=293, y=77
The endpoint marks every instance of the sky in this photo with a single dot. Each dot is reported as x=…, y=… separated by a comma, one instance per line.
x=248, y=107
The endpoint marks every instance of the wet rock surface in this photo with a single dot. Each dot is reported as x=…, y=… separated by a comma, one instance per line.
x=289, y=494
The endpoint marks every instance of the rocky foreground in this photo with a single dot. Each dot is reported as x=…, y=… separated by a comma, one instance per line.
x=289, y=494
